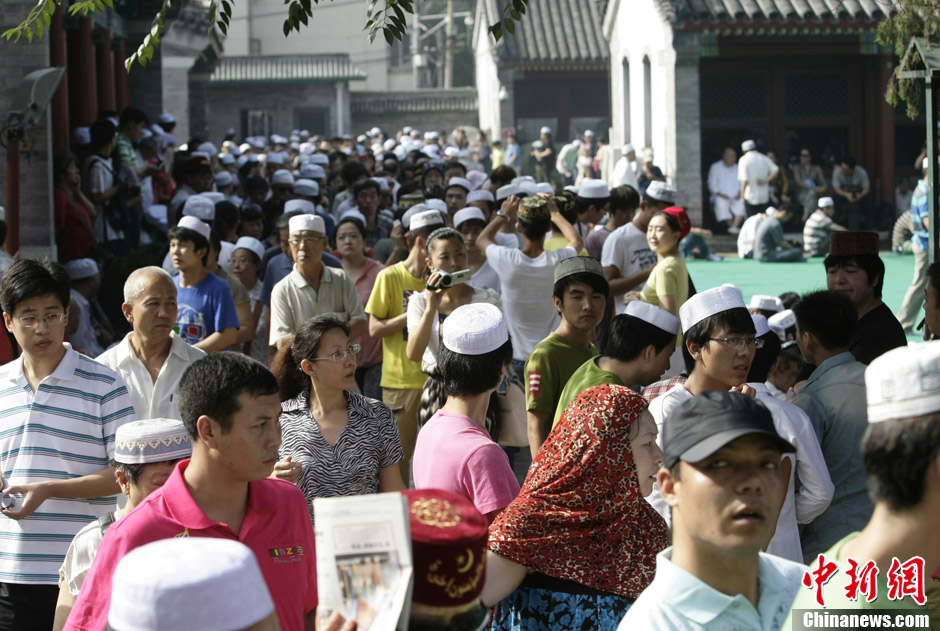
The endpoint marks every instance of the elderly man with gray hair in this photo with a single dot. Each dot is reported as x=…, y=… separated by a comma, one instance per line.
x=151, y=358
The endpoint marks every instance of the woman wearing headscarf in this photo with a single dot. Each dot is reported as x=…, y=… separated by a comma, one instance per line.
x=579, y=543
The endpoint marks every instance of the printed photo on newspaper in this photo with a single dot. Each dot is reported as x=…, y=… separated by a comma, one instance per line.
x=364, y=568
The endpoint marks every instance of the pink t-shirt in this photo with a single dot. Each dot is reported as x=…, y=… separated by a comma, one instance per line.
x=276, y=527
x=454, y=454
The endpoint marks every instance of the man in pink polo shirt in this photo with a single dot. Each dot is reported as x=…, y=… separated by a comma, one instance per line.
x=230, y=406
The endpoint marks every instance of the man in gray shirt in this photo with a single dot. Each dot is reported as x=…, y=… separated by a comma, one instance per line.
x=854, y=204
x=769, y=244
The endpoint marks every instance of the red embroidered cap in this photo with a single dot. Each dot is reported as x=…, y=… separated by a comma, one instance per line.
x=853, y=243
x=448, y=539
x=682, y=218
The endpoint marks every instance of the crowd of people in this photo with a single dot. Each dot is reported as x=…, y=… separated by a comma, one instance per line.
x=301, y=317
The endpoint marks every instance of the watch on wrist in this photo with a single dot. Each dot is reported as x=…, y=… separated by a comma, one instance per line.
x=502, y=213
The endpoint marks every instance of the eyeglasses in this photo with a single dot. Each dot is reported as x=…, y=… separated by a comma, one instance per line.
x=739, y=343
x=50, y=320
x=351, y=351
x=302, y=243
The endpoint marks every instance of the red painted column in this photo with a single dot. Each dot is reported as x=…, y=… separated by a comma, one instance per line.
x=83, y=86
x=885, y=128
x=104, y=66
x=121, y=84
x=58, y=56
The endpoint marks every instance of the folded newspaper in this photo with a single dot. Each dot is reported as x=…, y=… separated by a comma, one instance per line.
x=364, y=567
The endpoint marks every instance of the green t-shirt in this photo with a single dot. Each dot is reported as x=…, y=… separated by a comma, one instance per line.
x=670, y=277
x=834, y=590
x=548, y=369
x=587, y=376
x=389, y=298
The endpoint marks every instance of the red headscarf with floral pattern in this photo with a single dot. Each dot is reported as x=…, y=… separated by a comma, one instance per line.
x=580, y=515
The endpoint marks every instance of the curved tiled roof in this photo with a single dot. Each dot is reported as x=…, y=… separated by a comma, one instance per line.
x=285, y=69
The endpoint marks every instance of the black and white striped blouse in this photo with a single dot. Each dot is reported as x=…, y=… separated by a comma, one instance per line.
x=351, y=466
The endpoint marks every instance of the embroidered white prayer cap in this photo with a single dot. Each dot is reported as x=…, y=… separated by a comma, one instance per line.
x=437, y=204
x=215, y=197
x=661, y=192
x=503, y=192
x=320, y=159
x=81, y=268
x=251, y=244
x=766, y=303
x=628, y=149
x=593, y=189
x=761, y=327
x=466, y=214
x=475, y=329
x=904, y=382
x=462, y=182
x=709, y=302
x=353, y=214
x=425, y=219
x=188, y=584
x=224, y=178
x=825, y=202
x=476, y=179
x=306, y=187
x=299, y=223
x=480, y=196
x=196, y=225
x=748, y=145
x=152, y=440
x=544, y=187
x=780, y=322
x=651, y=314
x=303, y=205
x=282, y=177
x=200, y=207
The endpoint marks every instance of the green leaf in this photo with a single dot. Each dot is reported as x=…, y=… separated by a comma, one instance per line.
x=389, y=37
x=510, y=25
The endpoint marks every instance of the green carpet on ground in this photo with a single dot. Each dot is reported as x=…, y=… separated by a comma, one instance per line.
x=754, y=277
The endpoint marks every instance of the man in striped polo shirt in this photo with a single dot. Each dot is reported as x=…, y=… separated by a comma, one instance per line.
x=58, y=414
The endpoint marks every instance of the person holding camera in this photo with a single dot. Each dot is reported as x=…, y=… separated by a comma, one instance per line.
x=447, y=288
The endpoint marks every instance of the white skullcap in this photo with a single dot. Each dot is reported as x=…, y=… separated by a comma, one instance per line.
x=227, y=159
x=311, y=171
x=480, y=196
x=651, y=314
x=588, y=132
x=81, y=268
x=709, y=302
x=780, y=322
x=166, y=119
x=251, y=244
x=546, y=130
x=152, y=440
x=277, y=139
x=214, y=196
x=282, y=177
x=407, y=129
x=748, y=145
x=156, y=215
x=528, y=188
x=474, y=329
x=306, y=148
x=462, y=182
x=275, y=158
x=320, y=159
x=188, y=584
x=544, y=187
x=433, y=135
x=466, y=214
x=765, y=303
x=503, y=192
x=306, y=187
x=245, y=147
x=904, y=382
x=195, y=225
x=476, y=179
x=303, y=205
x=825, y=202
x=523, y=178
x=81, y=136
x=571, y=188
x=628, y=149
x=200, y=207
x=431, y=151
x=377, y=148
x=389, y=144
x=593, y=189
x=375, y=131
x=381, y=181
x=451, y=152
x=299, y=223
x=208, y=148
x=353, y=214
x=437, y=204
x=662, y=192
x=761, y=327
x=425, y=219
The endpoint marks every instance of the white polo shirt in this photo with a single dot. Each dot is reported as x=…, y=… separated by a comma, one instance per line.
x=152, y=399
x=294, y=301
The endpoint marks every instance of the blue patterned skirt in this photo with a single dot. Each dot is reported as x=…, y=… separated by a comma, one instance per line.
x=543, y=603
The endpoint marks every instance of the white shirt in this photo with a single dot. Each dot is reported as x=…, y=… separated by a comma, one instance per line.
x=660, y=408
x=623, y=174
x=754, y=166
x=294, y=301
x=527, y=294
x=816, y=488
x=84, y=339
x=774, y=390
x=748, y=234
x=678, y=601
x=152, y=399
x=627, y=249
x=723, y=179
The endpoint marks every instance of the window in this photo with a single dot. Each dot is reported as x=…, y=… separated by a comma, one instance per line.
x=256, y=123
x=647, y=102
x=626, y=101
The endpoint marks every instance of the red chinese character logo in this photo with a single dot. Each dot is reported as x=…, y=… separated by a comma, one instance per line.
x=824, y=571
x=862, y=579
x=907, y=579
